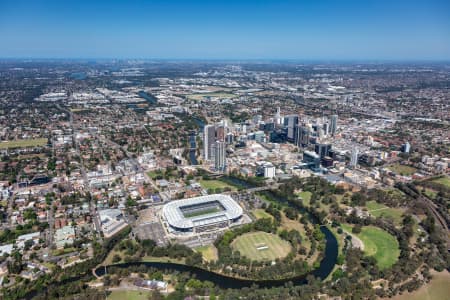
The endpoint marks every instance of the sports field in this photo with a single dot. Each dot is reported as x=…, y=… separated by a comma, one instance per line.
x=261, y=246
x=23, y=143
x=214, y=184
x=201, y=212
x=379, y=244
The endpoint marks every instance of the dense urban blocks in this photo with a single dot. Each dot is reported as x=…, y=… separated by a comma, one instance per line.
x=261, y=246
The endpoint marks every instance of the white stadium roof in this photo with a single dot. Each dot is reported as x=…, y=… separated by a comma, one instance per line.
x=175, y=217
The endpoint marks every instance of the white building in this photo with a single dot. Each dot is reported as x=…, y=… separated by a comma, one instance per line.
x=354, y=157
x=111, y=221
x=269, y=171
x=219, y=156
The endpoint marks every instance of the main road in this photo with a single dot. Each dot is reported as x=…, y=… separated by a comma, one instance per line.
x=92, y=207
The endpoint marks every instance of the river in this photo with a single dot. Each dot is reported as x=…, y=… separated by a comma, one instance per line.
x=227, y=282
x=326, y=264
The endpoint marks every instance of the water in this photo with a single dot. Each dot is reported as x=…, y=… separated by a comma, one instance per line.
x=326, y=264
x=226, y=282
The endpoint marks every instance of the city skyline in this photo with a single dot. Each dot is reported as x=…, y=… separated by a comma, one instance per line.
x=267, y=30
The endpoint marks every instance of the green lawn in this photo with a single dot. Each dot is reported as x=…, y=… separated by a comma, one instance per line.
x=379, y=244
x=154, y=174
x=248, y=244
x=380, y=210
x=445, y=180
x=163, y=259
x=214, y=184
x=261, y=213
x=57, y=252
x=402, y=169
x=109, y=258
x=129, y=295
x=23, y=143
x=306, y=196
x=209, y=252
x=201, y=212
x=430, y=193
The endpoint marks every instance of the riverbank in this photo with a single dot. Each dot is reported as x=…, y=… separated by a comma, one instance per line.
x=227, y=282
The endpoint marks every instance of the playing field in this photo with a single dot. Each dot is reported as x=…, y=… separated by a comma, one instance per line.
x=201, y=212
x=379, y=244
x=214, y=184
x=261, y=246
x=23, y=143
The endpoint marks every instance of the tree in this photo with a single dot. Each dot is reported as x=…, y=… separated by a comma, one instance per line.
x=116, y=258
x=356, y=229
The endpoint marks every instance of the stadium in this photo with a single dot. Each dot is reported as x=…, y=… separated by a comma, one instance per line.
x=201, y=213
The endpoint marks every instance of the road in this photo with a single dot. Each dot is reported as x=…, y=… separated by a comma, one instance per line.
x=92, y=208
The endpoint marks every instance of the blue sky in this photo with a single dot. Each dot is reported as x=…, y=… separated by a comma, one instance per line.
x=305, y=30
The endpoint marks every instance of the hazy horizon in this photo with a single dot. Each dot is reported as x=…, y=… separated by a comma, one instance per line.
x=227, y=30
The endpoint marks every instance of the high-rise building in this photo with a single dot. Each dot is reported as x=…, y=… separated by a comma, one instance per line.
x=406, y=147
x=323, y=149
x=209, y=137
x=220, y=156
x=354, y=157
x=301, y=138
x=312, y=159
x=277, y=118
x=333, y=124
x=220, y=133
x=229, y=138
x=260, y=137
x=326, y=128
x=291, y=122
